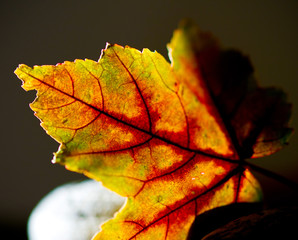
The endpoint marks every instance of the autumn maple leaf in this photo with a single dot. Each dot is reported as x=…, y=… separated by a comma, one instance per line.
x=172, y=138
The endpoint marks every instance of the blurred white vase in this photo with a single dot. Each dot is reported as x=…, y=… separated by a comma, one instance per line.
x=73, y=211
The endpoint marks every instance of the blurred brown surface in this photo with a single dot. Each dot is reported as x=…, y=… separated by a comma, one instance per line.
x=277, y=223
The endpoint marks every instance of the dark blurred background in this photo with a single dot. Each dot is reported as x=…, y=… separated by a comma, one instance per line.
x=48, y=32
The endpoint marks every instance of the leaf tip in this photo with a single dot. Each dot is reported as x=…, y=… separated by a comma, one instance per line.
x=19, y=69
x=108, y=45
x=186, y=23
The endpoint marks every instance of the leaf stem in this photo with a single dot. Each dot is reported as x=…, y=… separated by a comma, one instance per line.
x=293, y=185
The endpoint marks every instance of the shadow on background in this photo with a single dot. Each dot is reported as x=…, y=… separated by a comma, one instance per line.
x=13, y=230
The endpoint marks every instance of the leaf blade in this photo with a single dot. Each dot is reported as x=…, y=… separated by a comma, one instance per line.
x=157, y=133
